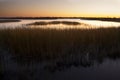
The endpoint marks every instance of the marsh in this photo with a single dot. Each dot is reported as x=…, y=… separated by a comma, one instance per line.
x=61, y=52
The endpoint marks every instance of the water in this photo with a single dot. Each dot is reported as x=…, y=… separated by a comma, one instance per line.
x=75, y=66
x=84, y=24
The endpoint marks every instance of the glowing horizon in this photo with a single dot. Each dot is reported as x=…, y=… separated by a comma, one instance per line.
x=59, y=8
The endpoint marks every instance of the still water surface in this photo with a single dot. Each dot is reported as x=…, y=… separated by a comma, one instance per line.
x=84, y=24
x=75, y=67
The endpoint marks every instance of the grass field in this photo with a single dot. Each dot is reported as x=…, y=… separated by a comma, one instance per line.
x=52, y=43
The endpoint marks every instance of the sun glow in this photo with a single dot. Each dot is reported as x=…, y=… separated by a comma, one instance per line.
x=60, y=8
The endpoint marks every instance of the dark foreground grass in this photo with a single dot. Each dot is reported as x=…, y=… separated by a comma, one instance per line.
x=47, y=44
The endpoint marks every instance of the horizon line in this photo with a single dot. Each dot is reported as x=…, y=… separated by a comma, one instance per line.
x=55, y=17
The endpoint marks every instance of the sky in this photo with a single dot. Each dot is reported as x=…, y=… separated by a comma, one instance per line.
x=59, y=8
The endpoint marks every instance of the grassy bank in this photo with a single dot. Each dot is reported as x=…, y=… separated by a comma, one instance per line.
x=8, y=20
x=102, y=19
x=51, y=43
x=55, y=22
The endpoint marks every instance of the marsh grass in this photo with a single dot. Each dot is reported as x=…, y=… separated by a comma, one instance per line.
x=9, y=20
x=55, y=22
x=50, y=44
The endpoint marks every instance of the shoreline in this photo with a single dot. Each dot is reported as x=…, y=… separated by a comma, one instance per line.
x=16, y=19
x=9, y=20
x=103, y=19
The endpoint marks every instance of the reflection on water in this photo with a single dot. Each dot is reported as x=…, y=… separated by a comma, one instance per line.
x=101, y=23
x=78, y=66
x=84, y=24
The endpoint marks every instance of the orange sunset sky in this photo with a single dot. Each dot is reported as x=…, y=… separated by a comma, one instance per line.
x=59, y=8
